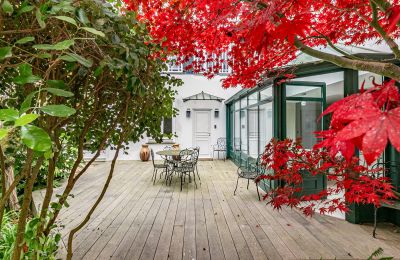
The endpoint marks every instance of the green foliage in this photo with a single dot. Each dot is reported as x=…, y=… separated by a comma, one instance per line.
x=79, y=74
x=377, y=253
x=43, y=247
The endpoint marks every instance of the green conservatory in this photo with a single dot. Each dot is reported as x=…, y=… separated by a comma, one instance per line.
x=291, y=110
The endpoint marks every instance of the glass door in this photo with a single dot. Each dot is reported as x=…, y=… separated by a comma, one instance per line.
x=304, y=103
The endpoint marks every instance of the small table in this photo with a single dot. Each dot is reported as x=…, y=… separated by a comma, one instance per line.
x=174, y=161
x=172, y=152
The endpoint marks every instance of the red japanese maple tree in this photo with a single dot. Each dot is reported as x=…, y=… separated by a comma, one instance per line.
x=264, y=35
x=261, y=37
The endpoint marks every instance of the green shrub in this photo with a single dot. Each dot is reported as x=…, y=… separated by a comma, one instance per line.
x=43, y=247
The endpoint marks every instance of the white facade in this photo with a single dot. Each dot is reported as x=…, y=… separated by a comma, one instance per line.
x=201, y=129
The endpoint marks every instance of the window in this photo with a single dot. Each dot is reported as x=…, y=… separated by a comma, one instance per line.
x=166, y=130
x=166, y=126
x=253, y=98
x=243, y=131
x=266, y=125
x=172, y=66
x=237, y=131
x=253, y=131
x=224, y=63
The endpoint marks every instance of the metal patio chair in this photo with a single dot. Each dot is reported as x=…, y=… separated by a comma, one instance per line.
x=249, y=172
x=158, y=166
x=220, y=147
x=185, y=166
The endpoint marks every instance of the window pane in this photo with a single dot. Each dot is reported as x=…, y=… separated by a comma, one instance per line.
x=303, y=91
x=302, y=121
x=243, y=131
x=266, y=93
x=243, y=102
x=237, y=105
x=266, y=125
x=253, y=132
x=367, y=78
x=167, y=126
x=253, y=98
x=237, y=131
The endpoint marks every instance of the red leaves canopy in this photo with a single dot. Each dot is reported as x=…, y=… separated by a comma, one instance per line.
x=259, y=35
x=291, y=162
x=366, y=121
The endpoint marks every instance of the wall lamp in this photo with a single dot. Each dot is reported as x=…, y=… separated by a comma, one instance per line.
x=188, y=113
x=216, y=113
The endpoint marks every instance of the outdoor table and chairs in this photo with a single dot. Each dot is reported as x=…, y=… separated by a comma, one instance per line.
x=182, y=162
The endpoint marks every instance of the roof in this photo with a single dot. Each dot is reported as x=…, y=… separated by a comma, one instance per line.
x=309, y=67
x=203, y=96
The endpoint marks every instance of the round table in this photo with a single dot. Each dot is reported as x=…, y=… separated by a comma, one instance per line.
x=172, y=152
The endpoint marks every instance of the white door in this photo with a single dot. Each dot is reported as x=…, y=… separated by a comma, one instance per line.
x=202, y=132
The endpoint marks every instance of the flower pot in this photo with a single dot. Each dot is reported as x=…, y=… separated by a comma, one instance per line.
x=144, y=153
x=176, y=147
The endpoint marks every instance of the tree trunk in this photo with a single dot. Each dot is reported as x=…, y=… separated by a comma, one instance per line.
x=13, y=200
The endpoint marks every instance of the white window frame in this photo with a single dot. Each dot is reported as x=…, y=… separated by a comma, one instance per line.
x=172, y=67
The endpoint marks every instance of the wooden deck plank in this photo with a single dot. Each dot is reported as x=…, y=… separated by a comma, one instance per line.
x=202, y=244
x=139, y=220
x=228, y=245
x=164, y=243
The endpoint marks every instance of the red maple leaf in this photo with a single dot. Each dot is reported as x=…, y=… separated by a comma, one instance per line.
x=375, y=127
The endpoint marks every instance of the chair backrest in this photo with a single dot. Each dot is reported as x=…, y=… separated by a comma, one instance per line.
x=185, y=155
x=152, y=156
x=195, y=154
x=221, y=143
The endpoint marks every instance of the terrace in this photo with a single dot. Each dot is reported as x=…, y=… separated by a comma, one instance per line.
x=139, y=220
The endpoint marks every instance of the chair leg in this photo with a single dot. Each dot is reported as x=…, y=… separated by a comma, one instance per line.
x=258, y=192
x=248, y=182
x=152, y=176
x=198, y=176
x=194, y=178
x=155, y=176
x=237, y=182
x=375, y=222
x=181, y=180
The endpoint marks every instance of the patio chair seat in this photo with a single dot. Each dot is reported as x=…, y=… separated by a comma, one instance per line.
x=160, y=166
x=248, y=175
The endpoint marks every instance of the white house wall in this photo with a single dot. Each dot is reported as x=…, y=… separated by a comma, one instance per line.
x=183, y=126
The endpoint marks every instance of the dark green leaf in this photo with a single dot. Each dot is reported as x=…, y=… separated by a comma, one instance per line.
x=25, y=75
x=9, y=114
x=5, y=52
x=81, y=15
x=35, y=138
x=7, y=7
x=25, y=9
x=56, y=84
x=94, y=31
x=25, y=119
x=27, y=102
x=25, y=40
x=67, y=58
x=59, y=92
x=39, y=19
x=85, y=62
x=66, y=19
x=58, y=110
x=58, y=46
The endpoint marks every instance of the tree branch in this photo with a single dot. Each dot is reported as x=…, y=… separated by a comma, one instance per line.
x=385, y=69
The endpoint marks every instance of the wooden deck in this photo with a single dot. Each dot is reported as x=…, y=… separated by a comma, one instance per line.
x=139, y=220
